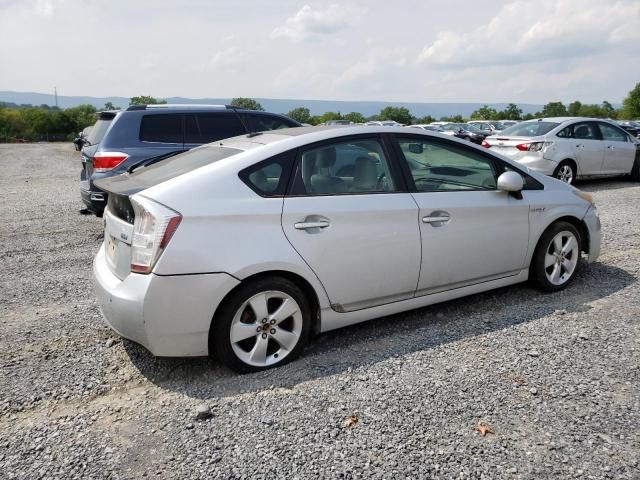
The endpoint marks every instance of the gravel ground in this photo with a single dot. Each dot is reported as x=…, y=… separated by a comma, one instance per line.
x=555, y=378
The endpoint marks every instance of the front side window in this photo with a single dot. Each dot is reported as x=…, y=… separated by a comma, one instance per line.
x=210, y=127
x=358, y=166
x=612, y=134
x=437, y=167
x=165, y=128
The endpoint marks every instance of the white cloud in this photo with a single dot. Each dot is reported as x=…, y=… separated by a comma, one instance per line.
x=525, y=32
x=227, y=57
x=309, y=22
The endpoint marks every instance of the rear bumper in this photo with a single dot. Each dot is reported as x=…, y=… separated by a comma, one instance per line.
x=94, y=199
x=169, y=315
x=536, y=162
x=592, y=220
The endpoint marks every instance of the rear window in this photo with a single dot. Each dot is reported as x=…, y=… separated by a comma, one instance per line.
x=175, y=166
x=529, y=129
x=166, y=128
x=209, y=127
x=99, y=129
x=264, y=122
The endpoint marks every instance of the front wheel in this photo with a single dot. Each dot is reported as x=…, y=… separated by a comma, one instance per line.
x=565, y=172
x=263, y=324
x=555, y=261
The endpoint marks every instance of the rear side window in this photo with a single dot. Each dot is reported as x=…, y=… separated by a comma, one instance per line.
x=165, y=128
x=210, y=127
x=585, y=131
x=269, y=178
x=264, y=122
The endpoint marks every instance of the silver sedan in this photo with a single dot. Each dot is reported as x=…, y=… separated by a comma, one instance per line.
x=246, y=248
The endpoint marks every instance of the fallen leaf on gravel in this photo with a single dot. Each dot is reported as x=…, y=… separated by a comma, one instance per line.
x=483, y=428
x=351, y=420
x=519, y=381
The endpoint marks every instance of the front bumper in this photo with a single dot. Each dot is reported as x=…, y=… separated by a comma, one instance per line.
x=169, y=315
x=592, y=220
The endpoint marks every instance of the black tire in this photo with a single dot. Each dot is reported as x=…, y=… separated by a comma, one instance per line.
x=560, y=169
x=219, y=335
x=537, y=271
x=635, y=170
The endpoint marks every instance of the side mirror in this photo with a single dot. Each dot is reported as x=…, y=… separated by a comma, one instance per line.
x=511, y=182
x=416, y=148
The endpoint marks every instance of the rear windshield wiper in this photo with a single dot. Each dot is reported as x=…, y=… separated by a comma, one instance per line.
x=151, y=161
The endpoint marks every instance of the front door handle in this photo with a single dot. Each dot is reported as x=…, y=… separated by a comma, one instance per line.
x=311, y=224
x=437, y=218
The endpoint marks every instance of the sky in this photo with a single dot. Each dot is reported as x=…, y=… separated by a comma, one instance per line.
x=523, y=51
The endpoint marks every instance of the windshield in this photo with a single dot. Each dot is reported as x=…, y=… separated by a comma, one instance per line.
x=529, y=129
x=175, y=166
x=99, y=129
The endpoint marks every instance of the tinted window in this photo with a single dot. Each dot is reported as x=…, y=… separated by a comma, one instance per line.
x=585, y=131
x=209, y=127
x=161, y=128
x=443, y=167
x=358, y=166
x=565, y=132
x=269, y=178
x=263, y=122
x=179, y=164
x=611, y=133
x=529, y=129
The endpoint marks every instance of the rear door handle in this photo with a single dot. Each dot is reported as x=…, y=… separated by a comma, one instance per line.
x=317, y=224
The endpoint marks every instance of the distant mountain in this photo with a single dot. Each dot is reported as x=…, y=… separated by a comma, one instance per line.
x=277, y=105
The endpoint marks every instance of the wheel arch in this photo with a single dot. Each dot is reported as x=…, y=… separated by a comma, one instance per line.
x=295, y=278
x=579, y=224
x=571, y=161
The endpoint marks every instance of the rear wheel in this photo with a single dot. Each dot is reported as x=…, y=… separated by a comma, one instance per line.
x=565, y=172
x=263, y=324
x=555, y=261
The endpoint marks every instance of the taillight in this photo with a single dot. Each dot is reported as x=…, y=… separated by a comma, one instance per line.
x=532, y=147
x=153, y=227
x=104, y=161
x=485, y=144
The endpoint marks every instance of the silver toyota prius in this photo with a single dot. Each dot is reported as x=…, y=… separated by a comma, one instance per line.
x=245, y=248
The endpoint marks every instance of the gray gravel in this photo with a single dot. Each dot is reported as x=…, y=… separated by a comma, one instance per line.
x=556, y=378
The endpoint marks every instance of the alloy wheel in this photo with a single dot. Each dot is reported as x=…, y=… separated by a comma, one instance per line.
x=561, y=258
x=266, y=328
x=565, y=174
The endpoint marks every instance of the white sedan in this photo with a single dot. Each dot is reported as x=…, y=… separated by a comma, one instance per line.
x=246, y=247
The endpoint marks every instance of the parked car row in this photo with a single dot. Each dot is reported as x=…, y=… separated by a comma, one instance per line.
x=122, y=141
x=259, y=241
x=569, y=148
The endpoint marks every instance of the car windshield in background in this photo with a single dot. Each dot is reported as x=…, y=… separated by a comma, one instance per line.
x=175, y=166
x=98, y=131
x=529, y=129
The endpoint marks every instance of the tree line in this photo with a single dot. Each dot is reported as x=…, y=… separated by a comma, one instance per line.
x=38, y=123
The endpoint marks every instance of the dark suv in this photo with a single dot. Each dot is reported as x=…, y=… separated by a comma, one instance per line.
x=122, y=141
